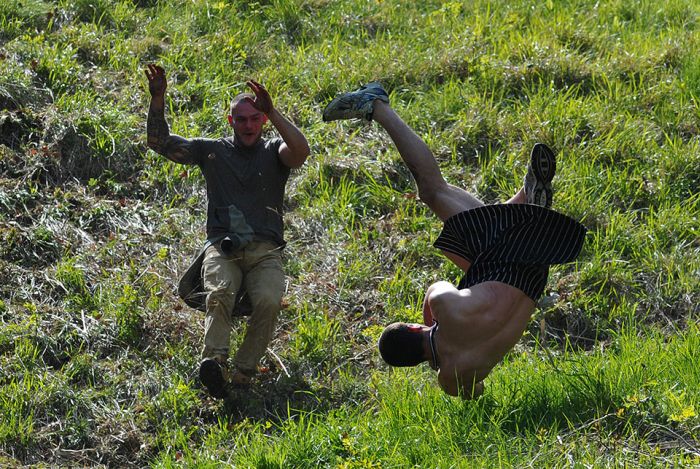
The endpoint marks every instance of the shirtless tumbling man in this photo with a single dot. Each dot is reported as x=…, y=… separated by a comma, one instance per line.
x=505, y=251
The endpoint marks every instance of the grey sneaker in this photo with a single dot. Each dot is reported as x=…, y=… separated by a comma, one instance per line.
x=540, y=172
x=357, y=104
x=213, y=373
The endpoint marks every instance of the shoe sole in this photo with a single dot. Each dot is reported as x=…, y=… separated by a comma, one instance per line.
x=544, y=166
x=335, y=107
x=211, y=377
x=543, y=162
x=342, y=104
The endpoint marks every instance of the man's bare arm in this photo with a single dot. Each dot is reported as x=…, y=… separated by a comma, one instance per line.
x=295, y=149
x=159, y=139
x=465, y=388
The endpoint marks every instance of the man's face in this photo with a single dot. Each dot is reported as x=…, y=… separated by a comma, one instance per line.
x=247, y=123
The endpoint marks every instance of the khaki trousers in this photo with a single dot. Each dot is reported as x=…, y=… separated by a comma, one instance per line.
x=259, y=265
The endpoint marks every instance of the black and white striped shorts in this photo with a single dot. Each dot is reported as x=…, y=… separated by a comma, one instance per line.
x=511, y=243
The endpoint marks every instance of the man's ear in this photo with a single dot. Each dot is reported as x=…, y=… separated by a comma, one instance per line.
x=230, y=120
x=264, y=120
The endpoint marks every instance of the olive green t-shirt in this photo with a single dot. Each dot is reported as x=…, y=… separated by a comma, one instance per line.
x=245, y=189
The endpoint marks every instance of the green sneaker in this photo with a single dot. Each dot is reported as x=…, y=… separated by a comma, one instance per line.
x=540, y=172
x=357, y=104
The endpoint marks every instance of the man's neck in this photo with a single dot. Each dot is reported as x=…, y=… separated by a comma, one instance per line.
x=237, y=142
x=429, y=350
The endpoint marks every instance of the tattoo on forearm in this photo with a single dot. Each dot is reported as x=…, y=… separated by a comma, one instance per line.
x=161, y=141
x=157, y=130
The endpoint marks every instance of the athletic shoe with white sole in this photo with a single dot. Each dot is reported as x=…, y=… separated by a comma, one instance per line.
x=358, y=104
x=540, y=172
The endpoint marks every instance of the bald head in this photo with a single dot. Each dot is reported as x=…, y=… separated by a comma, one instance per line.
x=238, y=99
x=402, y=344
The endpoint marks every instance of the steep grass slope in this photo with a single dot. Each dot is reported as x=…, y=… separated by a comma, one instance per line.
x=98, y=357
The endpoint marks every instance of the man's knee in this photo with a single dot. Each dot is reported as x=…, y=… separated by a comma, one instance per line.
x=428, y=194
x=434, y=191
x=267, y=300
x=221, y=297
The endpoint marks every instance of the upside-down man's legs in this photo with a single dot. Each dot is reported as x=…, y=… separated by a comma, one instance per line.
x=371, y=102
x=444, y=199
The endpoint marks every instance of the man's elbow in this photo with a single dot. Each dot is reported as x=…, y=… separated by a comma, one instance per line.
x=468, y=394
x=303, y=152
x=442, y=299
x=155, y=145
x=465, y=392
x=299, y=158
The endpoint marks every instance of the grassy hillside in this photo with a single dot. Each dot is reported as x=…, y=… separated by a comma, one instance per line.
x=98, y=356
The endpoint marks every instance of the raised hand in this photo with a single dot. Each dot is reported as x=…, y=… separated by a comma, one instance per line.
x=156, y=80
x=262, y=101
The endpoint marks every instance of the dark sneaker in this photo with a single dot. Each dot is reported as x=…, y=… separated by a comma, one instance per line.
x=357, y=104
x=213, y=374
x=540, y=172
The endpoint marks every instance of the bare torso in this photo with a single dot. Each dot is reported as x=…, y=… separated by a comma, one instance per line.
x=477, y=327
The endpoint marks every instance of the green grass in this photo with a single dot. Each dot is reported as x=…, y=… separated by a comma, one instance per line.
x=98, y=357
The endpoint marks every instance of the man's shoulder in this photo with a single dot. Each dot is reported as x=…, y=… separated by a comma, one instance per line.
x=270, y=148
x=202, y=146
x=272, y=144
x=208, y=141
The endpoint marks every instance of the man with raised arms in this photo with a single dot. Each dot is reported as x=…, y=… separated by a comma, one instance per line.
x=246, y=176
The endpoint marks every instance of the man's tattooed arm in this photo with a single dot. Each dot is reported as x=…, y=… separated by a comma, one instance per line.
x=159, y=139
x=157, y=129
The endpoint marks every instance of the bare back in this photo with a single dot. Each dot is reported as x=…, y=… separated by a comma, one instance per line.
x=477, y=327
